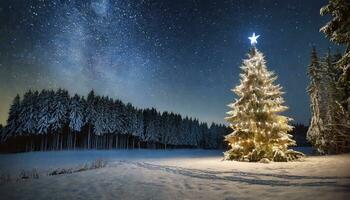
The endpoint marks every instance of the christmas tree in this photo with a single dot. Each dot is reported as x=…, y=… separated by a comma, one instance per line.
x=259, y=132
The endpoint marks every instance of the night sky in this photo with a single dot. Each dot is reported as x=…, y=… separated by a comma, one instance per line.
x=180, y=56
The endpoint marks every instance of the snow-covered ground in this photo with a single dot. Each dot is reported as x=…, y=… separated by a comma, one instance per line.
x=175, y=174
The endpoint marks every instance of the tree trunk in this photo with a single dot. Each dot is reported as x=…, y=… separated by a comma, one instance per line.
x=45, y=142
x=58, y=141
x=41, y=143
x=89, y=134
x=75, y=140
x=61, y=144
x=127, y=141
x=116, y=141
x=110, y=141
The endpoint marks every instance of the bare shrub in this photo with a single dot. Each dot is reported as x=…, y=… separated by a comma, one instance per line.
x=60, y=171
x=28, y=174
x=5, y=178
x=99, y=163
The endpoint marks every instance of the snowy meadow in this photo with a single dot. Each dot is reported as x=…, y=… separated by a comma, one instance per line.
x=172, y=174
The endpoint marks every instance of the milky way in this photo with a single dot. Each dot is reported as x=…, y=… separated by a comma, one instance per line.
x=181, y=56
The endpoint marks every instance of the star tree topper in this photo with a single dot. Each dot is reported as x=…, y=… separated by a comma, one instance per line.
x=253, y=39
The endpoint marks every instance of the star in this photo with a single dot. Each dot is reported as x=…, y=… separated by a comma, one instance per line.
x=253, y=39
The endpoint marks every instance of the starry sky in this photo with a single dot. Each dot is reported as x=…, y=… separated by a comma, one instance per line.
x=180, y=56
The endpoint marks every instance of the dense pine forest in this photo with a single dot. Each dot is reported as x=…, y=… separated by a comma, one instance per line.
x=54, y=120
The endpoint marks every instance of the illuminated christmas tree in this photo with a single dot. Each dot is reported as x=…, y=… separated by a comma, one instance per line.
x=259, y=132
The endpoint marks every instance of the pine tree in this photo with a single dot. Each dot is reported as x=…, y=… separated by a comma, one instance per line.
x=316, y=128
x=13, y=119
x=330, y=78
x=139, y=126
x=195, y=133
x=59, y=115
x=99, y=118
x=26, y=116
x=44, y=112
x=337, y=30
x=165, y=129
x=258, y=130
x=90, y=115
x=76, y=119
x=131, y=119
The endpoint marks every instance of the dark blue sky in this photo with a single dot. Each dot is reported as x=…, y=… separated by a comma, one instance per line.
x=181, y=56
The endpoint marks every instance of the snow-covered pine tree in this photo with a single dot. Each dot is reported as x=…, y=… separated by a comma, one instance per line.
x=258, y=129
x=13, y=119
x=316, y=128
x=195, y=133
x=75, y=119
x=165, y=129
x=123, y=117
x=331, y=75
x=59, y=111
x=173, y=129
x=43, y=115
x=184, y=131
x=26, y=116
x=117, y=121
x=59, y=115
x=44, y=112
x=206, y=135
x=106, y=121
x=90, y=116
x=130, y=122
x=139, y=127
x=213, y=135
x=337, y=30
x=98, y=123
x=152, y=123
x=148, y=126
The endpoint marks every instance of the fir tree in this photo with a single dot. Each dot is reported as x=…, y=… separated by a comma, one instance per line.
x=337, y=30
x=99, y=118
x=59, y=110
x=139, y=126
x=26, y=116
x=90, y=115
x=165, y=129
x=13, y=119
x=44, y=112
x=76, y=119
x=258, y=130
x=117, y=119
x=316, y=128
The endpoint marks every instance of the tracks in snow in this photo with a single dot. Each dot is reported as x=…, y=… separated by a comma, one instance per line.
x=247, y=177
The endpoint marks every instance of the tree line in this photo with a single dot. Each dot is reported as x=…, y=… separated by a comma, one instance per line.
x=54, y=120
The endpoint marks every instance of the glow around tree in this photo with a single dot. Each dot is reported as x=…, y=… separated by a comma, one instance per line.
x=259, y=132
